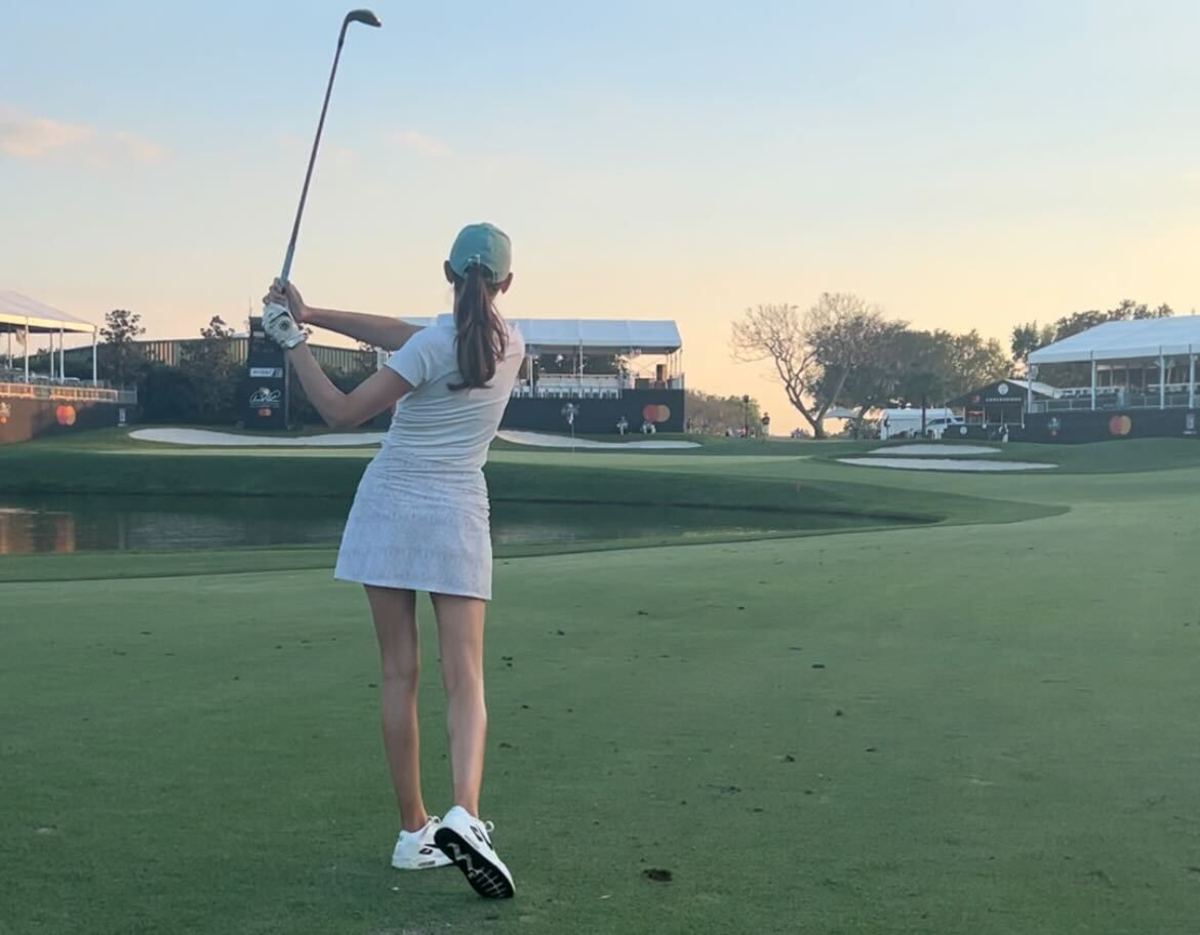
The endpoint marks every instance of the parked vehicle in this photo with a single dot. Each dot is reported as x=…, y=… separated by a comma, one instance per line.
x=906, y=423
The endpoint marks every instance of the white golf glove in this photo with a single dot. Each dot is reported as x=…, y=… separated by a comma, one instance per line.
x=281, y=327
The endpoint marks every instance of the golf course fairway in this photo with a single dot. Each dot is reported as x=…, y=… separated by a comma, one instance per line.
x=978, y=715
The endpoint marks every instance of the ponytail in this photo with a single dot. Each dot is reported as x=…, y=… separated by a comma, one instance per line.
x=481, y=337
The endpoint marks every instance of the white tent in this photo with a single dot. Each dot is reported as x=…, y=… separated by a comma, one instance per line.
x=1125, y=340
x=568, y=335
x=1162, y=340
x=21, y=316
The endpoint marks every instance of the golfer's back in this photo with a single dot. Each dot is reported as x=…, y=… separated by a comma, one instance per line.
x=436, y=424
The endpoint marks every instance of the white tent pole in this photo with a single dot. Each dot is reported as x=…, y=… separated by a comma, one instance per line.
x=1093, y=382
x=1162, y=380
x=62, y=355
x=95, y=382
x=26, y=350
x=1030, y=375
x=1191, y=378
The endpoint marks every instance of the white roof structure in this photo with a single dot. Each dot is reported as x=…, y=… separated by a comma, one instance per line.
x=565, y=335
x=1125, y=340
x=1045, y=389
x=18, y=312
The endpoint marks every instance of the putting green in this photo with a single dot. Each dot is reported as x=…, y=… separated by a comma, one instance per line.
x=983, y=724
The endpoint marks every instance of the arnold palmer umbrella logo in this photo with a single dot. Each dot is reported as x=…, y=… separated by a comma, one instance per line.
x=265, y=398
x=5, y=413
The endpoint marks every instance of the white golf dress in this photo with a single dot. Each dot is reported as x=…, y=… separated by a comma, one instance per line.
x=420, y=519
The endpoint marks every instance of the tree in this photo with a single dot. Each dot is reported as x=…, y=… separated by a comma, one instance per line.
x=872, y=384
x=848, y=337
x=1128, y=310
x=214, y=371
x=919, y=368
x=1028, y=338
x=973, y=362
x=120, y=358
x=167, y=394
x=814, y=354
x=709, y=414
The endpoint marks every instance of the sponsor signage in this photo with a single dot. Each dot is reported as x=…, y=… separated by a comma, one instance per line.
x=266, y=398
x=265, y=386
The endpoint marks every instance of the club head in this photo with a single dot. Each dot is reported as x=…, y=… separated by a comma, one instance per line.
x=362, y=16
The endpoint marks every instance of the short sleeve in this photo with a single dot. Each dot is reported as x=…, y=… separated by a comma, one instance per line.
x=413, y=359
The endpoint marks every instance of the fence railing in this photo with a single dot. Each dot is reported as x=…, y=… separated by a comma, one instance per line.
x=68, y=393
x=1079, y=398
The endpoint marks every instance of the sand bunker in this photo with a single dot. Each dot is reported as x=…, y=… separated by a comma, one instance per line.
x=955, y=450
x=230, y=440
x=946, y=464
x=539, y=440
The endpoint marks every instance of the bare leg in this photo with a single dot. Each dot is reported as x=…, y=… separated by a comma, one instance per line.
x=460, y=640
x=395, y=614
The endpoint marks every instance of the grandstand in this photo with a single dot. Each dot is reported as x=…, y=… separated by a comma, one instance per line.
x=593, y=365
x=33, y=402
x=599, y=367
x=1141, y=381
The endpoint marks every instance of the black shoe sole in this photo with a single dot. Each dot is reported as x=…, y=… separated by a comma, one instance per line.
x=485, y=878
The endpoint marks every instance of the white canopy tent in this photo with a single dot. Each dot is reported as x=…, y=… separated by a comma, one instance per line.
x=21, y=317
x=569, y=335
x=1159, y=339
x=581, y=336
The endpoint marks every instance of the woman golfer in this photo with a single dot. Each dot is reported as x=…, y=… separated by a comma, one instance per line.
x=420, y=523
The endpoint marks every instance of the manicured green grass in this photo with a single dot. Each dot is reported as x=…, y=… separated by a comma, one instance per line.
x=954, y=728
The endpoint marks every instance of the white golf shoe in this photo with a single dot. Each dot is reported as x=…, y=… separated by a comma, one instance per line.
x=416, y=850
x=466, y=841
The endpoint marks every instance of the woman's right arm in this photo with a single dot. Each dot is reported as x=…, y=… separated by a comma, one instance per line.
x=376, y=330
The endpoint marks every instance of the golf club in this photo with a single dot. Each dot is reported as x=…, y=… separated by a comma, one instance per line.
x=354, y=16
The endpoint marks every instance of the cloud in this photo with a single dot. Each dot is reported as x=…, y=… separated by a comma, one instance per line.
x=34, y=137
x=139, y=149
x=42, y=139
x=422, y=143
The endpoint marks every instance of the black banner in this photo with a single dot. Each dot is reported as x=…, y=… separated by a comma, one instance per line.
x=264, y=390
x=24, y=419
x=1101, y=425
x=660, y=409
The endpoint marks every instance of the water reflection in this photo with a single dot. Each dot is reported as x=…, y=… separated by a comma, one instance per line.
x=25, y=530
x=115, y=523
x=69, y=524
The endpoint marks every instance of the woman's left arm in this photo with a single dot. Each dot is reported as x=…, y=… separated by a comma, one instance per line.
x=346, y=410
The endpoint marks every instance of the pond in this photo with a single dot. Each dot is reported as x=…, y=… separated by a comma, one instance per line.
x=44, y=524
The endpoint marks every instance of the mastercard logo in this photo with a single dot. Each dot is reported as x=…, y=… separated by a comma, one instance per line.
x=65, y=415
x=1120, y=426
x=654, y=413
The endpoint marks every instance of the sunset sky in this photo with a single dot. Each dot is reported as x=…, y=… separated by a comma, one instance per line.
x=964, y=165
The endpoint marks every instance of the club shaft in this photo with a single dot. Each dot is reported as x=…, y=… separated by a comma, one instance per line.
x=312, y=161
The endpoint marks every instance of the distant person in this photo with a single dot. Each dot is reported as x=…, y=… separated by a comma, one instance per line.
x=622, y=425
x=420, y=523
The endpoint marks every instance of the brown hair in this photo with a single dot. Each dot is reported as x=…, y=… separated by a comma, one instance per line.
x=481, y=335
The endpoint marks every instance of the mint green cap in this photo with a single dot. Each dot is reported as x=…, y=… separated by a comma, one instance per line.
x=482, y=245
